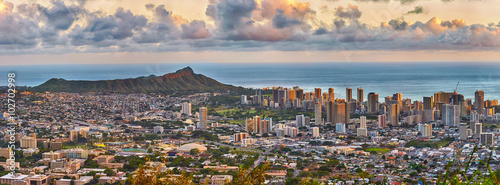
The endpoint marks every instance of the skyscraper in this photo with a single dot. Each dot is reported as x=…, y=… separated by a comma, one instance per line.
x=299, y=120
x=264, y=127
x=203, y=118
x=249, y=125
x=487, y=139
x=428, y=104
x=479, y=101
x=338, y=112
x=329, y=111
x=317, y=93
x=243, y=101
x=339, y=127
x=186, y=107
x=342, y=112
x=478, y=129
x=463, y=131
x=256, y=124
x=394, y=114
x=317, y=113
x=362, y=132
x=348, y=94
x=276, y=95
x=372, y=103
x=331, y=94
x=300, y=94
x=258, y=93
x=382, y=120
x=362, y=122
x=270, y=121
x=427, y=130
x=451, y=115
x=315, y=132
x=360, y=95
x=398, y=98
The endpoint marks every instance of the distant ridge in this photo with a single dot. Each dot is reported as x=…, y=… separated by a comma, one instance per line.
x=182, y=80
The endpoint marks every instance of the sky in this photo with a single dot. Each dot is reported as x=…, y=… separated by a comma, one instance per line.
x=153, y=31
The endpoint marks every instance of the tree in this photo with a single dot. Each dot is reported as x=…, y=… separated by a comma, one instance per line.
x=109, y=172
x=194, y=151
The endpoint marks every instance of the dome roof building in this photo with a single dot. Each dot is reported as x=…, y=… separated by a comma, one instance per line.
x=188, y=147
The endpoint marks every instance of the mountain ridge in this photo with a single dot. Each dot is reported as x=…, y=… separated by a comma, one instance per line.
x=181, y=80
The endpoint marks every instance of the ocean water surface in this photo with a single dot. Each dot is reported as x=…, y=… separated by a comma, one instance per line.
x=412, y=80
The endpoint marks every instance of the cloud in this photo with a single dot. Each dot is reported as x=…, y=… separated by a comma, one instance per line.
x=281, y=20
x=16, y=32
x=195, y=30
x=416, y=10
x=351, y=12
x=236, y=25
x=231, y=14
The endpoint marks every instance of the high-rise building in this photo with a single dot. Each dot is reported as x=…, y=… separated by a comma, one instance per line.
x=398, y=98
x=479, y=101
x=186, y=106
x=317, y=93
x=428, y=130
x=478, y=129
x=331, y=94
x=73, y=135
x=275, y=95
x=427, y=116
x=258, y=94
x=487, y=139
x=264, y=127
x=292, y=95
x=6, y=152
x=270, y=121
x=359, y=96
x=362, y=122
x=281, y=97
x=348, y=94
x=451, y=115
x=249, y=125
x=394, y=115
x=338, y=112
x=28, y=142
x=382, y=120
x=362, y=132
x=203, y=118
x=256, y=124
x=243, y=102
x=299, y=120
x=463, y=131
x=428, y=103
x=238, y=137
x=317, y=113
x=315, y=132
x=300, y=94
x=425, y=129
x=372, y=103
x=442, y=97
x=339, y=127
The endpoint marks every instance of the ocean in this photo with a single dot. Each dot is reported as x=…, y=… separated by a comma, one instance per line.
x=412, y=80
